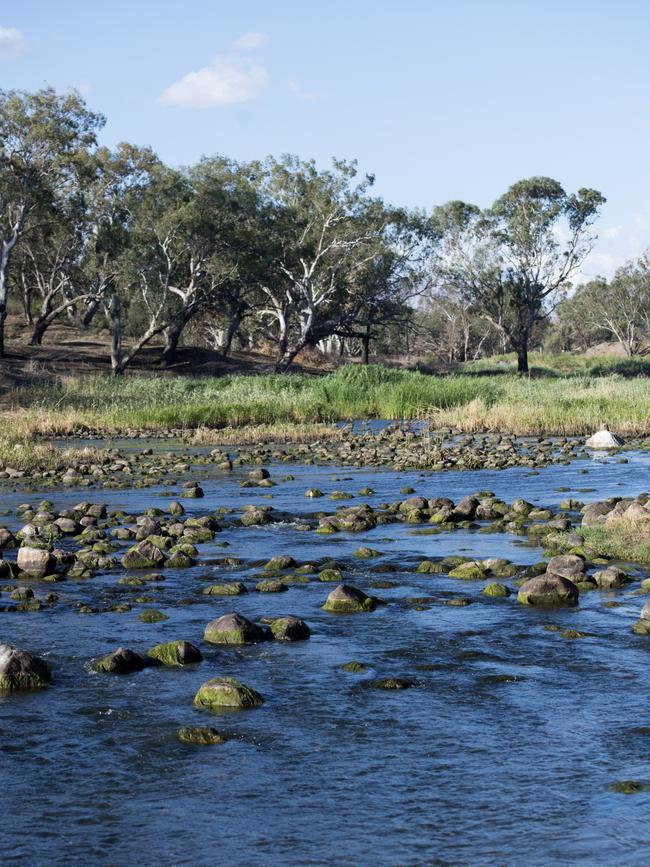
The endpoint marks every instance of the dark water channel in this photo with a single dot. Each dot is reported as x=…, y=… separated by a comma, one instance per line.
x=468, y=767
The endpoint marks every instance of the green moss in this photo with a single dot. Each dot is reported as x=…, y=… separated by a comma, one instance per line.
x=354, y=667
x=330, y=575
x=226, y=692
x=202, y=736
x=496, y=589
x=151, y=615
x=628, y=787
x=468, y=572
x=232, y=588
x=175, y=653
x=428, y=566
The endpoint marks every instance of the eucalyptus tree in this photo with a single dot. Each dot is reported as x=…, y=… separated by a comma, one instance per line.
x=619, y=308
x=515, y=260
x=46, y=142
x=229, y=219
x=328, y=243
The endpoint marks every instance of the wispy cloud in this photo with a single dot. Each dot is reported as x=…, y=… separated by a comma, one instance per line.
x=12, y=43
x=250, y=41
x=304, y=95
x=229, y=79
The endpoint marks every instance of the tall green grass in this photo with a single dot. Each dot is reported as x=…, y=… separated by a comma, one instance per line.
x=571, y=404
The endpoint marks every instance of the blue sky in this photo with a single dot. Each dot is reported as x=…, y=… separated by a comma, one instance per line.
x=440, y=100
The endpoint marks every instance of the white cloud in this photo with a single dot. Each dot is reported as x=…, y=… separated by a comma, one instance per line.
x=226, y=81
x=12, y=42
x=250, y=41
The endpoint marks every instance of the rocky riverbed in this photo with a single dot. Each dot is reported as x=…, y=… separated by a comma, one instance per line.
x=435, y=662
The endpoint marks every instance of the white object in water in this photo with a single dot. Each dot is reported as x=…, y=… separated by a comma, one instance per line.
x=604, y=439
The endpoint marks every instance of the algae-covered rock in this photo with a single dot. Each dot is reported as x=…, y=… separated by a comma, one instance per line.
x=548, y=590
x=20, y=670
x=230, y=588
x=392, y=683
x=611, y=578
x=471, y=571
x=255, y=518
x=364, y=553
x=289, y=629
x=271, y=586
x=152, y=615
x=428, y=566
x=233, y=628
x=144, y=555
x=330, y=575
x=226, y=692
x=354, y=667
x=281, y=561
x=202, y=736
x=121, y=661
x=496, y=589
x=346, y=599
x=175, y=653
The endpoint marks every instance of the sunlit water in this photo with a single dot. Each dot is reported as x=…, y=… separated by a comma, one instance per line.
x=462, y=769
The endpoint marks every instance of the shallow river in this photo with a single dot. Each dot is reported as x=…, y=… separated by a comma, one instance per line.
x=465, y=768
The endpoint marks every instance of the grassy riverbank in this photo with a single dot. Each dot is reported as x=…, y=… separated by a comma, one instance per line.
x=478, y=399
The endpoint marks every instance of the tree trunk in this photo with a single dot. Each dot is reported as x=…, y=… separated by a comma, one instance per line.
x=89, y=313
x=229, y=334
x=365, y=347
x=40, y=327
x=284, y=360
x=117, y=365
x=172, y=334
x=522, y=358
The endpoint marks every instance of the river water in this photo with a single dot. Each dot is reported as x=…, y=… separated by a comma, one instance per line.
x=503, y=752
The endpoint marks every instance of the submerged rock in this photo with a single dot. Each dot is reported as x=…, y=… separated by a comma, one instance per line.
x=202, y=736
x=346, y=599
x=226, y=692
x=20, y=669
x=548, y=590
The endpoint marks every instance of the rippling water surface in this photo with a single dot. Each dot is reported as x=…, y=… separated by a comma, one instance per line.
x=468, y=767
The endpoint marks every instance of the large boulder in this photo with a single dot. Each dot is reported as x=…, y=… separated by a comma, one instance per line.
x=22, y=670
x=604, y=439
x=233, y=628
x=548, y=590
x=346, y=599
x=226, y=692
x=35, y=561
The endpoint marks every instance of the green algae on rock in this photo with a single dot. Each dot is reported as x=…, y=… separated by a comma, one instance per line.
x=152, y=615
x=346, y=599
x=121, y=661
x=496, y=589
x=289, y=628
x=233, y=628
x=21, y=670
x=226, y=692
x=202, y=736
x=175, y=653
